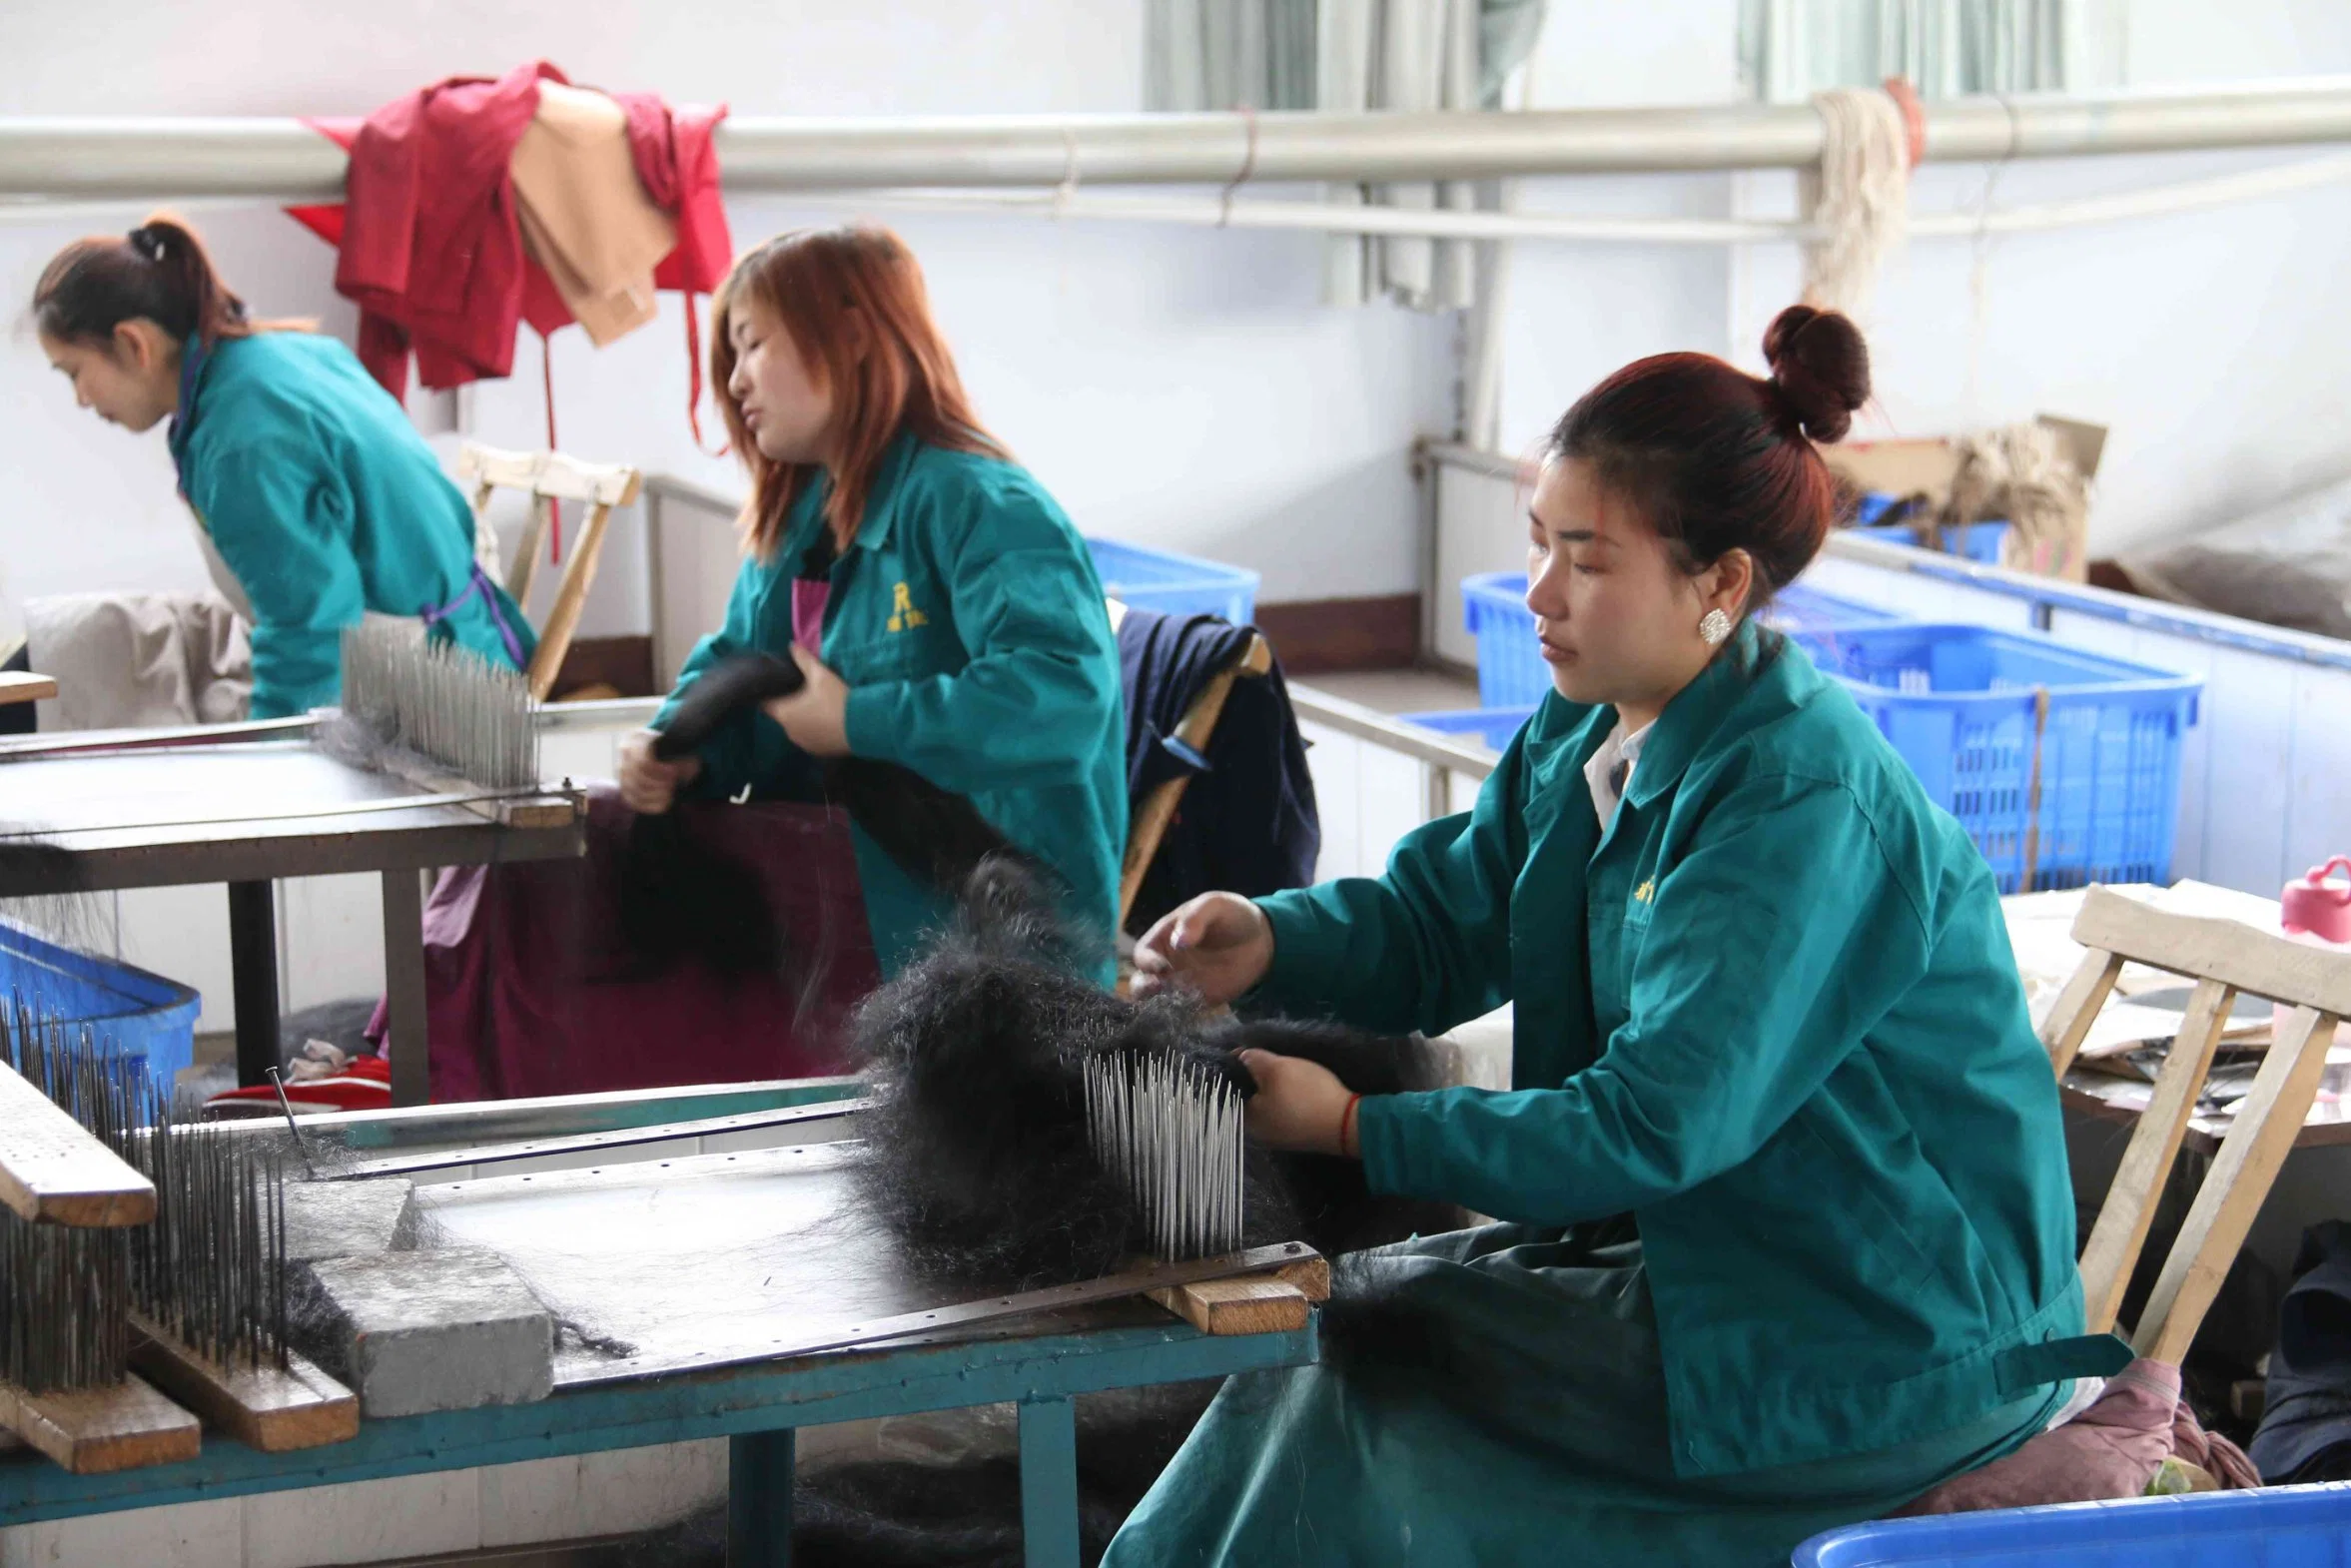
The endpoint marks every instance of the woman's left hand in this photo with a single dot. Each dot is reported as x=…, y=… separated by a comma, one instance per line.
x=817, y=715
x=1299, y=1105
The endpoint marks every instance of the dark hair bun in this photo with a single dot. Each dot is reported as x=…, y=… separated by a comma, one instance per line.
x=1820, y=367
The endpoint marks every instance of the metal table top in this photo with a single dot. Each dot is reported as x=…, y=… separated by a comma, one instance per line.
x=251, y=812
x=665, y=1259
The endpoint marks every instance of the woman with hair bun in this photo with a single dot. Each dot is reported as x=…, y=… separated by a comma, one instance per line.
x=316, y=500
x=1786, y=1233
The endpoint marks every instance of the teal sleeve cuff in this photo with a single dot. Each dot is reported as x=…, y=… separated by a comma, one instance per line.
x=1389, y=1138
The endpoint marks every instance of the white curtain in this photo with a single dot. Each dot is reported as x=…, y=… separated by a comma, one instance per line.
x=1350, y=56
x=1229, y=54
x=1403, y=55
x=1791, y=49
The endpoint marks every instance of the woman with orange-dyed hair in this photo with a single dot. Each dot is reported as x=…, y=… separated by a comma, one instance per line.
x=944, y=610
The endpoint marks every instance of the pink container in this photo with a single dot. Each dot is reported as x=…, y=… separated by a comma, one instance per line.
x=2317, y=911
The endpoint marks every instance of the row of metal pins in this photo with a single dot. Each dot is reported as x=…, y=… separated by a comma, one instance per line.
x=443, y=702
x=209, y=1269
x=1170, y=1132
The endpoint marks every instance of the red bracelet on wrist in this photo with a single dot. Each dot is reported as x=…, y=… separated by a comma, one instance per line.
x=1346, y=1121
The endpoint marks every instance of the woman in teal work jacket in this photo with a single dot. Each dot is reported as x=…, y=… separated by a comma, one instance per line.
x=1787, y=1235
x=944, y=612
x=316, y=500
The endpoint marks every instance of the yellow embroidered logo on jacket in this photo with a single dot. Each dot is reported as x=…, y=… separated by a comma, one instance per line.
x=1643, y=893
x=902, y=611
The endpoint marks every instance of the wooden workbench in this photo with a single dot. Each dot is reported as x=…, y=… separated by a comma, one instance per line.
x=2038, y=925
x=749, y=1220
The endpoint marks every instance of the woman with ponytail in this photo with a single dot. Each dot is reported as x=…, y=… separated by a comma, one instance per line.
x=316, y=500
x=1787, y=1235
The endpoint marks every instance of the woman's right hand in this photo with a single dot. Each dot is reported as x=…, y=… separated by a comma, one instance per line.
x=1219, y=944
x=649, y=786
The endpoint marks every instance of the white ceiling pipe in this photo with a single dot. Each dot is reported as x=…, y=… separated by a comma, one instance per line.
x=282, y=160
x=1445, y=223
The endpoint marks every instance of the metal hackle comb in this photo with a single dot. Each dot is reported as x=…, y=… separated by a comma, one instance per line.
x=210, y=1270
x=1171, y=1130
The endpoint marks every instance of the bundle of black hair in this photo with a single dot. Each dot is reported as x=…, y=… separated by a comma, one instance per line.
x=681, y=897
x=978, y=1158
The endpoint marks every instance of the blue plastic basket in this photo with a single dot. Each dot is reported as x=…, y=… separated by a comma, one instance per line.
x=2282, y=1527
x=1511, y=673
x=1958, y=703
x=140, y=1014
x=1175, y=584
x=1985, y=542
x=1493, y=726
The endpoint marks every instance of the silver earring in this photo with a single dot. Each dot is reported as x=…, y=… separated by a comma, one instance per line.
x=1714, y=628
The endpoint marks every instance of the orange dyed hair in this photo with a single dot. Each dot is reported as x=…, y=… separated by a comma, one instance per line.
x=823, y=285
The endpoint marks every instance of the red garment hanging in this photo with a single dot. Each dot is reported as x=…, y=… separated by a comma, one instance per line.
x=430, y=246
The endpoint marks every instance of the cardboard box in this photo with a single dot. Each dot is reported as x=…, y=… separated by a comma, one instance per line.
x=1928, y=466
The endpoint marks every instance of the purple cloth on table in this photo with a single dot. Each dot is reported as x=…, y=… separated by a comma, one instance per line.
x=530, y=991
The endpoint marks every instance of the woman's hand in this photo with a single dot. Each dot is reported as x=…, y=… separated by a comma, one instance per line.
x=1300, y=1105
x=817, y=715
x=1218, y=945
x=648, y=785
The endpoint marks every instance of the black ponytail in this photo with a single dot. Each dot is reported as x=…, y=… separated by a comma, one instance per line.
x=158, y=271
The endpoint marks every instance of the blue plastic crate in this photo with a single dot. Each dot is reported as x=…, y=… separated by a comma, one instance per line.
x=1511, y=672
x=1984, y=542
x=2281, y=1527
x=1493, y=726
x=1958, y=703
x=1874, y=506
x=1175, y=584
x=140, y=1014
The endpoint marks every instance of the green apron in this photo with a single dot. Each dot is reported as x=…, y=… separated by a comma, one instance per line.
x=1536, y=1433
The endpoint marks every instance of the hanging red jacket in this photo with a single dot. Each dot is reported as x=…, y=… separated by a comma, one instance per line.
x=431, y=250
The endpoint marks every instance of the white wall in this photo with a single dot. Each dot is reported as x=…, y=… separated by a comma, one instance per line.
x=2212, y=343
x=1178, y=388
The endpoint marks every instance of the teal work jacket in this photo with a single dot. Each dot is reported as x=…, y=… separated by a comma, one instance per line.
x=1773, y=1014
x=970, y=625
x=324, y=503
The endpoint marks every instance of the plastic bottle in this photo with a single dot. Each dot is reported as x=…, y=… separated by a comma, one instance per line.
x=2318, y=911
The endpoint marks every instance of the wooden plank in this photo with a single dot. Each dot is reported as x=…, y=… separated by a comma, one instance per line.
x=1237, y=1306
x=52, y=1170
x=579, y=574
x=1273, y=1302
x=2233, y=1189
x=1151, y=819
x=19, y=686
x=522, y=570
x=93, y=1431
x=550, y=473
x=2258, y=962
x=262, y=1407
x=2121, y=1230
x=2077, y=1007
x=550, y=810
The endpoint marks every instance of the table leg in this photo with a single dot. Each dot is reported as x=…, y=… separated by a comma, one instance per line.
x=1048, y=1482
x=403, y=988
x=759, y=1500
x=252, y=978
